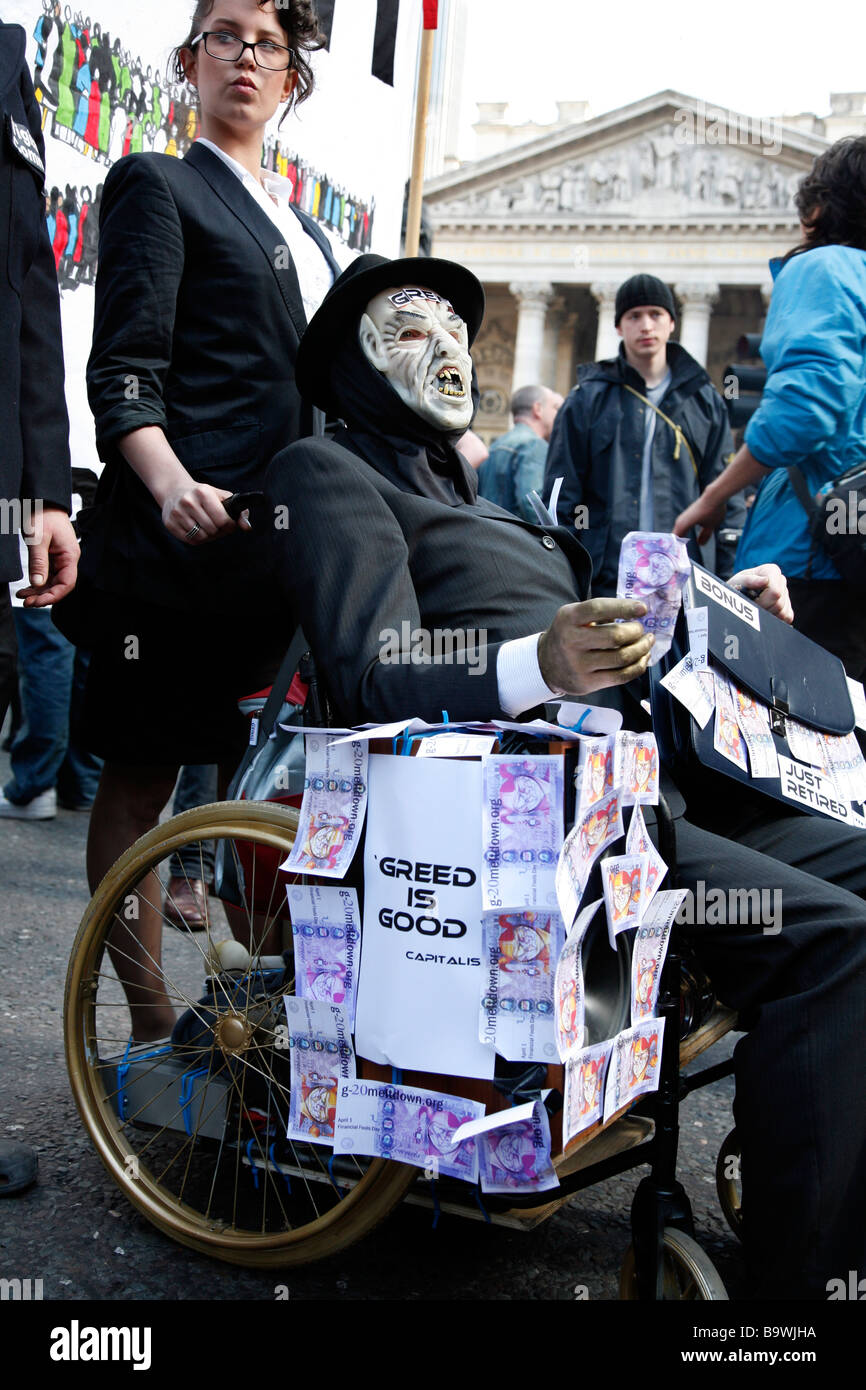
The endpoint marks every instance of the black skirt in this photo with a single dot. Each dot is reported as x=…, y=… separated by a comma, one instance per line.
x=163, y=684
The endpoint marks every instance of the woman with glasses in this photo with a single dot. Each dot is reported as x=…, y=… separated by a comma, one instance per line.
x=206, y=278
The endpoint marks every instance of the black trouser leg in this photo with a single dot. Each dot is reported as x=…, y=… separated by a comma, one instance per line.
x=799, y=1106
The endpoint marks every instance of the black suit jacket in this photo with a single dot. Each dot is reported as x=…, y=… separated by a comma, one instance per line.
x=34, y=454
x=197, y=321
x=369, y=557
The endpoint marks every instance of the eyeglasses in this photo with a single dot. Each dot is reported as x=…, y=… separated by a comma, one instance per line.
x=219, y=43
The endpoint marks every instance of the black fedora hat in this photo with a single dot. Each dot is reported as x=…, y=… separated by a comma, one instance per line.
x=349, y=296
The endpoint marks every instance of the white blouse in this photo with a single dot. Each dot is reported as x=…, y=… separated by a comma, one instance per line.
x=314, y=274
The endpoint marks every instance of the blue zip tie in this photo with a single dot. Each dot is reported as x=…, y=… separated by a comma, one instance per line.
x=576, y=728
x=272, y=1157
x=252, y=1162
x=396, y=1076
x=445, y=718
x=123, y=1069
x=186, y=1094
x=481, y=1207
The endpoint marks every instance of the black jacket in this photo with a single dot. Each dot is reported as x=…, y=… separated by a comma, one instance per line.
x=197, y=320
x=376, y=557
x=34, y=453
x=597, y=447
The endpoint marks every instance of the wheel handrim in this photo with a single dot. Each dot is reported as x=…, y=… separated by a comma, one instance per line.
x=265, y=1194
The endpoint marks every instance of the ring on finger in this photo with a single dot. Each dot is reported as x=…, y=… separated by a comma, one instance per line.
x=192, y=532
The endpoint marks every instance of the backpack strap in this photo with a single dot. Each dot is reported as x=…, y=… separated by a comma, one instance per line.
x=679, y=436
x=807, y=502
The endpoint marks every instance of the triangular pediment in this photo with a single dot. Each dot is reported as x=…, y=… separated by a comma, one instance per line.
x=669, y=156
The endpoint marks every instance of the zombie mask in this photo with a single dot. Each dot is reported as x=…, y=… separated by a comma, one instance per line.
x=418, y=342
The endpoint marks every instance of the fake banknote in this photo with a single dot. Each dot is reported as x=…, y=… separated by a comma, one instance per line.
x=633, y=1069
x=636, y=768
x=332, y=810
x=522, y=809
x=753, y=719
x=595, y=769
x=653, y=567
x=596, y=828
x=383, y=1120
x=694, y=689
x=326, y=937
x=321, y=1059
x=584, y=1089
x=637, y=841
x=649, y=949
x=514, y=1149
x=569, y=987
x=623, y=882
x=727, y=735
x=517, y=1009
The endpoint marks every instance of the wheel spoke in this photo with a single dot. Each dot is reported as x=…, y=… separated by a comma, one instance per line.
x=204, y=1184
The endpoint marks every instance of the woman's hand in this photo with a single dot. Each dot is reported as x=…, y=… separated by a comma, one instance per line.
x=195, y=513
x=770, y=587
x=191, y=511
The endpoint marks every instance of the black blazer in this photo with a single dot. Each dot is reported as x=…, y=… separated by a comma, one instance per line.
x=197, y=321
x=375, y=558
x=34, y=454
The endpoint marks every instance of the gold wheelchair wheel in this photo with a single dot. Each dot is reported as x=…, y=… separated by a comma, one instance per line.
x=688, y=1273
x=729, y=1183
x=193, y=1131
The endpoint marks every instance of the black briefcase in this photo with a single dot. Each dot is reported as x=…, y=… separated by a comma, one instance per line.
x=786, y=672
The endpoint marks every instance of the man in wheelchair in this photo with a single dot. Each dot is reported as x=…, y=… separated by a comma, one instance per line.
x=388, y=536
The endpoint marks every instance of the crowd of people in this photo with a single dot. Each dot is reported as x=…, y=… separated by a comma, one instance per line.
x=238, y=359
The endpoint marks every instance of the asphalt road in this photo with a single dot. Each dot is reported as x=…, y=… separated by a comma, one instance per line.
x=77, y=1233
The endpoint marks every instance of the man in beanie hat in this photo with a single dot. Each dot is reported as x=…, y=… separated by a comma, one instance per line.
x=639, y=438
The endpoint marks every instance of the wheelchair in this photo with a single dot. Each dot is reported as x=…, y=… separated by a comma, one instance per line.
x=193, y=1129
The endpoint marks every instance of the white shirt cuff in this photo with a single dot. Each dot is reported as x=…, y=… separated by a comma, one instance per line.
x=518, y=676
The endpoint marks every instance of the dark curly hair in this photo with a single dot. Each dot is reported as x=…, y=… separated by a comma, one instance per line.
x=831, y=198
x=296, y=17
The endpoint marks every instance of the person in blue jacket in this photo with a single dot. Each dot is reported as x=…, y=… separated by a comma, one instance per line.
x=813, y=410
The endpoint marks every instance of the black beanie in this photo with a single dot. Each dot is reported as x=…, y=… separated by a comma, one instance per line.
x=641, y=290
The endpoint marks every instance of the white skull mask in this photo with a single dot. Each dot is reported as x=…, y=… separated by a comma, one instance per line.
x=414, y=338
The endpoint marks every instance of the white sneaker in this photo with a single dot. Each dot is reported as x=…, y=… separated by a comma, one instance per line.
x=42, y=807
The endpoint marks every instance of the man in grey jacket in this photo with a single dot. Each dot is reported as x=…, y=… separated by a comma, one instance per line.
x=515, y=465
x=638, y=433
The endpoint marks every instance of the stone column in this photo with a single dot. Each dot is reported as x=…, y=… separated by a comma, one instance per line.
x=550, y=349
x=532, y=301
x=696, y=306
x=565, y=364
x=608, y=340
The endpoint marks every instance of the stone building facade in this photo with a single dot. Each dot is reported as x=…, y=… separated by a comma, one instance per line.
x=665, y=185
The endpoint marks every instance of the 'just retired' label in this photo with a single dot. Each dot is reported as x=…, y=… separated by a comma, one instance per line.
x=810, y=787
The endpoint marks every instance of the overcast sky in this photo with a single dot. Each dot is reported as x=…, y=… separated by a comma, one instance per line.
x=748, y=55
